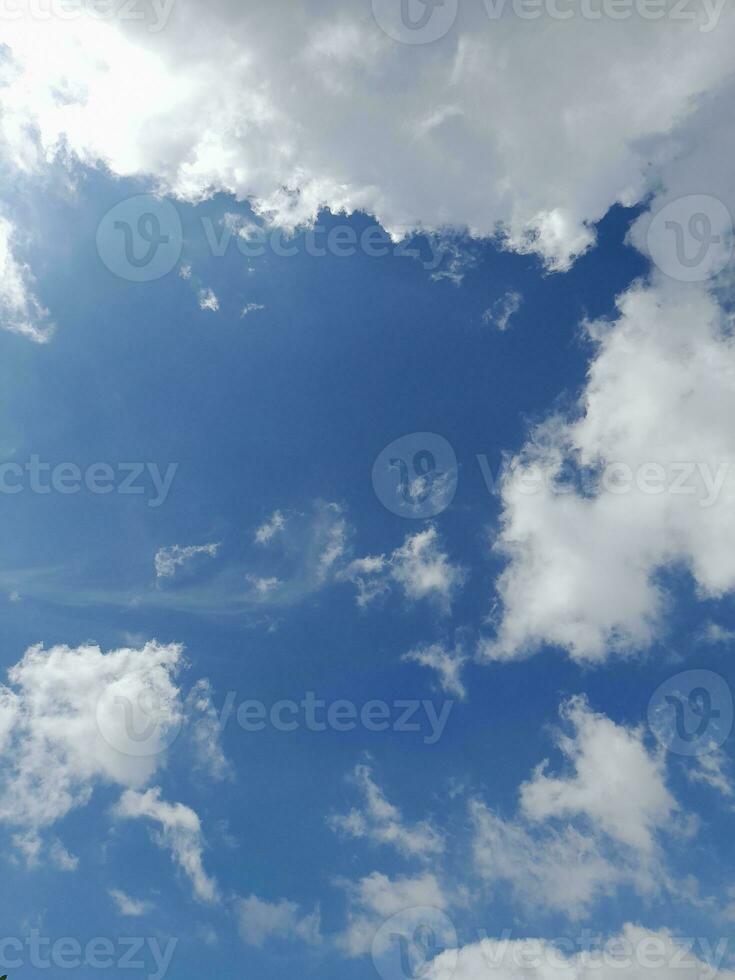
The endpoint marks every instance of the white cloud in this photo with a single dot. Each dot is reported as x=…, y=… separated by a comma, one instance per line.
x=276, y=524
x=380, y=822
x=577, y=838
x=59, y=727
x=562, y=870
x=169, y=560
x=128, y=906
x=20, y=310
x=713, y=769
x=447, y=663
x=230, y=118
x=204, y=731
x=634, y=954
x=653, y=443
x=419, y=567
x=616, y=783
x=208, y=300
x=503, y=310
x=251, y=308
x=375, y=898
x=180, y=833
x=61, y=858
x=71, y=720
x=260, y=921
x=264, y=586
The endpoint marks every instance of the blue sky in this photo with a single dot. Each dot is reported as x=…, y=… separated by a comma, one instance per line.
x=526, y=777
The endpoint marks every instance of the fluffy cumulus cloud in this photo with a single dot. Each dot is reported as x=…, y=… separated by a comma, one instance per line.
x=73, y=719
x=615, y=781
x=380, y=822
x=639, y=478
x=634, y=954
x=203, y=103
x=420, y=568
x=579, y=836
x=375, y=898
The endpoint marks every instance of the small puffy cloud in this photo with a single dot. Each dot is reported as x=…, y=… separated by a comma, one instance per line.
x=276, y=524
x=128, y=906
x=61, y=858
x=380, y=822
x=375, y=898
x=263, y=587
x=260, y=921
x=208, y=300
x=419, y=567
x=170, y=560
x=20, y=310
x=447, y=663
x=180, y=832
x=503, y=310
x=616, y=783
x=577, y=838
x=422, y=569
